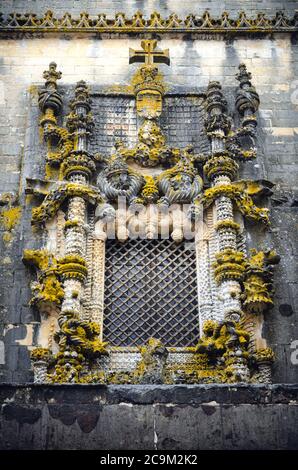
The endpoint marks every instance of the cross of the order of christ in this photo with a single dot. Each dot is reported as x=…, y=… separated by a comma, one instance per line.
x=149, y=55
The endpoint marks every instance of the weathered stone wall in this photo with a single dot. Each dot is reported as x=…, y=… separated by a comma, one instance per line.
x=195, y=417
x=165, y=7
x=272, y=59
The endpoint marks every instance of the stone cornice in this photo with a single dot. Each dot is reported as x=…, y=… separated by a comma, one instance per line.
x=120, y=24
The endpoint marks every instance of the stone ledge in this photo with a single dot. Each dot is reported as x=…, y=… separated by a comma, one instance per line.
x=149, y=394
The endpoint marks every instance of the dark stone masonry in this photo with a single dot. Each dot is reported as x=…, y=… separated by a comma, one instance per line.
x=195, y=417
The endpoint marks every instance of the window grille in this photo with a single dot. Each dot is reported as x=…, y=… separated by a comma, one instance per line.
x=150, y=290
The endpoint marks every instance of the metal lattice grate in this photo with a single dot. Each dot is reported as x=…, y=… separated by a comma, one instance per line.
x=150, y=290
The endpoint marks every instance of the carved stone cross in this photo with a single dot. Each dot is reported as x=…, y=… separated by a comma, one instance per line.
x=149, y=54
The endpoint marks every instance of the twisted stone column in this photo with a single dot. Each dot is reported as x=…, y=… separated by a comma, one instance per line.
x=98, y=281
x=204, y=287
x=77, y=170
x=220, y=169
x=229, y=269
x=104, y=215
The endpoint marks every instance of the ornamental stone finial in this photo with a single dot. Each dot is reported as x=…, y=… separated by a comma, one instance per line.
x=49, y=97
x=247, y=100
x=52, y=75
x=82, y=98
x=243, y=76
x=217, y=122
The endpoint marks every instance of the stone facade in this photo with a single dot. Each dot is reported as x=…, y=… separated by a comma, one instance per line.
x=196, y=59
x=157, y=418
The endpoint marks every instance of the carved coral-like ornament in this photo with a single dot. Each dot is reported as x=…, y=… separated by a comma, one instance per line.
x=229, y=265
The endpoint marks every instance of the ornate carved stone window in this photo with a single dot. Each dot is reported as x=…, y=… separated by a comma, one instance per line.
x=144, y=274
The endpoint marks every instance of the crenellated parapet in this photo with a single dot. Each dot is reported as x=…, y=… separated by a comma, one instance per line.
x=138, y=23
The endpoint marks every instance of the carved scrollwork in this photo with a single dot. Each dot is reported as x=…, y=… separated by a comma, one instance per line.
x=118, y=180
x=225, y=346
x=55, y=197
x=241, y=195
x=181, y=183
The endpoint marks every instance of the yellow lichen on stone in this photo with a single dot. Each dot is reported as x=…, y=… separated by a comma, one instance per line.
x=229, y=264
x=73, y=267
x=220, y=165
x=150, y=189
x=38, y=258
x=55, y=198
x=10, y=217
x=48, y=286
x=7, y=237
x=227, y=224
x=71, y=223
x=79, y=346
x=51, y=289
x=40, y=354
x=265, y=355
x=242, y=198
x=258, y=288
